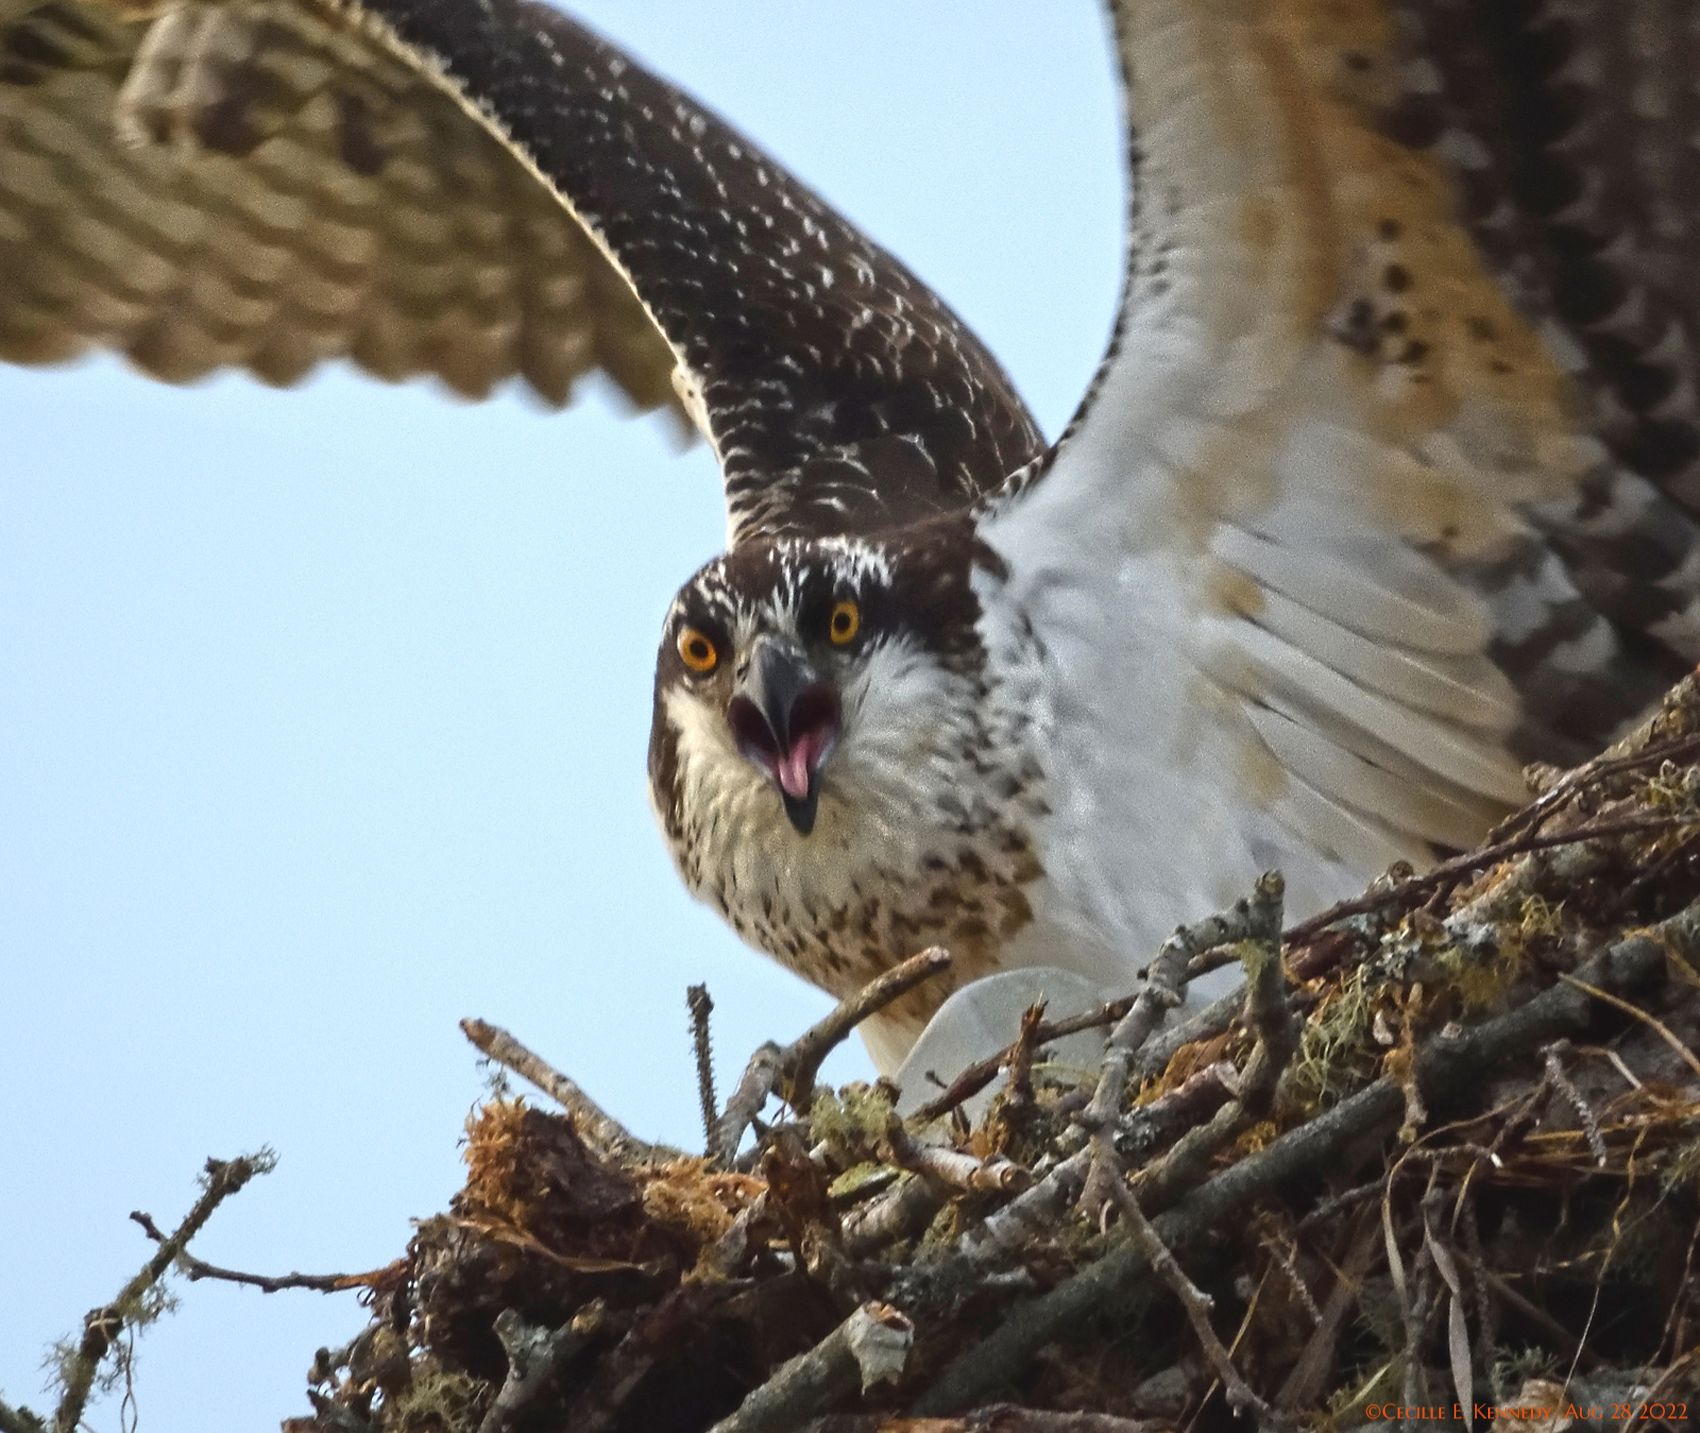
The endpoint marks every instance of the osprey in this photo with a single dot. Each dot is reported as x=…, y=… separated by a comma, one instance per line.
x=1387, y=484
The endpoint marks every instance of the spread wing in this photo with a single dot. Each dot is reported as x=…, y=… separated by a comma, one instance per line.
x=1396, y=455
x=476, y=189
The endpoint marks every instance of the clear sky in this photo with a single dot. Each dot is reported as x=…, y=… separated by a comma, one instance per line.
x=323, y=718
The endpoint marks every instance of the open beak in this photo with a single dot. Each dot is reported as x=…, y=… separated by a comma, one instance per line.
x=785, y=719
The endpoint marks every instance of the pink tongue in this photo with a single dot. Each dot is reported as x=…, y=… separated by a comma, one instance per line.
x=793, y=768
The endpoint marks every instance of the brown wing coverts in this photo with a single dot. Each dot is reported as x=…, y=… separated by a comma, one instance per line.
x=1583, y=184
x=1572, y=129
x=841, y=393
x=313, y=183
x=296, y=194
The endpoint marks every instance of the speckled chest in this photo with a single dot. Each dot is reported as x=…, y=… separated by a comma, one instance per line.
x=928, y=828
x=877, y=880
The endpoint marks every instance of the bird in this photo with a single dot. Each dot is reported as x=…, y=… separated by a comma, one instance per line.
x=1387, y=483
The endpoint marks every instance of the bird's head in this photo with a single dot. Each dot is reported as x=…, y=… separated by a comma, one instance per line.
x=792, y=670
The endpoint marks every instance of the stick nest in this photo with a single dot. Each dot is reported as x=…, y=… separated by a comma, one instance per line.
x=1443, y=1153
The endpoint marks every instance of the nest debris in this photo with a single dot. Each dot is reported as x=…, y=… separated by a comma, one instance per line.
x=1438, y=1160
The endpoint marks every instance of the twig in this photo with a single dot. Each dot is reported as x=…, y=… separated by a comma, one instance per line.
x=1656, y=871
x=1585, y=1115
x=1258, y=919
x=1310, y=1371
x=1270, y=1017
x=1472, y=862
x=1207, y=1024
x=196, y=1269
x=1416, y=1297
x=1286, y=1260
x=1039, y=1207
x=902, y=1211
x=1593, y=773
x=595, y=1124
x=1113, y=1283
x=1196, y=1303
x=869, y=1347
x=1034, y=1211
x=1325, y=1211
x=1146, y=1128
x=980, y=1074
x=535, y=1356
x=805, y=1054
x=701, y=1008
x=761, y=1078
x=955, y=1168
x=19, y=1420
x=1659, y=1028
x=791, y=1070
x=102, y=1326
x=1567, y=1342
x=1018, y=1094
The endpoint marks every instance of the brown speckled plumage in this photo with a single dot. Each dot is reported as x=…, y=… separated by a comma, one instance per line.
x=1389, y=480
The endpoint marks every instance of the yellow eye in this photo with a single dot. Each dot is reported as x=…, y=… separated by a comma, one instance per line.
x=697, y=650
x=845, y=623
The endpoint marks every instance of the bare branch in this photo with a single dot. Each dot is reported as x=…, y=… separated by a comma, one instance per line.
x=955, y=1168
x=761, y=1078
x=901, y=1212
x=1241, y=1397
x=701, y=1008
x=196, y=1269
x=791, y=1070
x=1256, y=926
x=1149, y=1125
x=1257, y=919
x=535, y=1356
x=102, y=1326
x=595, y=1124
x=868, y=1347
x=19, y=1420
x=804, y=1056
x=980, y=1074
x=1451, y=872
x=1449, y=1064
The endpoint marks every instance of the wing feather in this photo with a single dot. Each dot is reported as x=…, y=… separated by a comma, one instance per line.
x=479, y=190
x=1394, y=451
x=278, y=254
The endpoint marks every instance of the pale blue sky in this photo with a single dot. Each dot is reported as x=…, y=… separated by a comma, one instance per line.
x=323, y=718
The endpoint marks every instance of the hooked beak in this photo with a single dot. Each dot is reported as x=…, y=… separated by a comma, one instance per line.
x=786, y=721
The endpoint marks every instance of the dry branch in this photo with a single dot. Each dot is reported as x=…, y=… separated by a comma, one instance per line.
x=1377, y=1171
x=102, y=1327
x=592, y=1121
x=791, y=1071
x=195, y=1269
x=1114, y=1282
x=869, y=1347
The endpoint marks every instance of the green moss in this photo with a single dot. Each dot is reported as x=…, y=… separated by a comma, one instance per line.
x=438, y=1402
x=853, y=1119
x=1332, y=1046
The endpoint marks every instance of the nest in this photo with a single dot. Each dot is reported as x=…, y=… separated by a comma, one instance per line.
x=1439, y=1158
